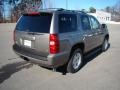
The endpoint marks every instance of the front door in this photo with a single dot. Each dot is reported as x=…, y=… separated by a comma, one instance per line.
x=87, y=32
x=97, y=32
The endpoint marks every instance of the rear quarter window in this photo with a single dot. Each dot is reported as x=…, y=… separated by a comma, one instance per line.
x=67, y=23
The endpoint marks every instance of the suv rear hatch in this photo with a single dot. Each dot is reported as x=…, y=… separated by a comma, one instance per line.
x=32, y=33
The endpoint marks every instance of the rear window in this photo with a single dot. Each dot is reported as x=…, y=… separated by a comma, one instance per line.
x=67, y=23
x=35, y=23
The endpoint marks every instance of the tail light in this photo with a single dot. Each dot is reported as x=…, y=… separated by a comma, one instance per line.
x=54, y=44
x=14, y=36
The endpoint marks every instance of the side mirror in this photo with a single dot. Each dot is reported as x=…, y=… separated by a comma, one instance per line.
x=104, y=26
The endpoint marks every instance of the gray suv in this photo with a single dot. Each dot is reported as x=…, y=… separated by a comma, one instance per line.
x=53, y=38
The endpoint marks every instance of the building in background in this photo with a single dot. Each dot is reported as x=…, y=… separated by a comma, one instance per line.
x=102, y=16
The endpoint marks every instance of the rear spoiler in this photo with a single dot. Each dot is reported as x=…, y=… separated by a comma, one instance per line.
x=37, y=13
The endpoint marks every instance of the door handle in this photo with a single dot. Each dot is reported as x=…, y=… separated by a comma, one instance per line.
x=100, y=32
x=88, y=35
x=96, y=33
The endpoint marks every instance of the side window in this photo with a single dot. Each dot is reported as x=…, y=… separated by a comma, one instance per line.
x=67, y=23
x=95, y=24
x=85, y=22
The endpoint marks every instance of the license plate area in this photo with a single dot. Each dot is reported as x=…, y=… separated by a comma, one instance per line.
x=27, y=43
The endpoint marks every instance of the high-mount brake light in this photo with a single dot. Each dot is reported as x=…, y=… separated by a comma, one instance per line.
x=33, y=13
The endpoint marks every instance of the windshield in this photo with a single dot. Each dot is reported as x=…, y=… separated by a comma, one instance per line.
x=35, y=23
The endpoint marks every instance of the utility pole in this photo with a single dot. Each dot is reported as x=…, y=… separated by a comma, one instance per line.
x=66, y=4
x=49, y=4
x=53, y=3
x=44, y=4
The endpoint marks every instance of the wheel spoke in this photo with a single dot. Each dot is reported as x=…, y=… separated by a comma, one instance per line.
x=106, y=44
x=76, y=60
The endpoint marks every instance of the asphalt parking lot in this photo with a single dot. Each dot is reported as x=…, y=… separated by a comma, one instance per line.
x=99, y=73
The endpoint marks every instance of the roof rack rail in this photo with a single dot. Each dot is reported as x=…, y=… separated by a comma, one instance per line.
x=62, y=9
x=58, y=9
x=79, y=11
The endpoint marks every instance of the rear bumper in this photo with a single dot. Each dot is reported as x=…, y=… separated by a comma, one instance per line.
x=51, y=61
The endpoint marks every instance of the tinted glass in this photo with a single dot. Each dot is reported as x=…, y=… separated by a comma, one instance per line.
x=85, y=22
x=67, y=23
x=95, y=23
x=35, y=23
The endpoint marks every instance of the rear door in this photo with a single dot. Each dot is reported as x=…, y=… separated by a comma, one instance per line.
x=68, y=32
x=32, y=32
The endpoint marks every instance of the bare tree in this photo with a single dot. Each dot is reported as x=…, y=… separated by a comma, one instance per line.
x=47, y=4
x=1, y=11
x=92, y=10
x=114, y=10
x=23, y=6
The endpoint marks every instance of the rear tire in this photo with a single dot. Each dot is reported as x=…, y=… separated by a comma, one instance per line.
x=76, y=61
